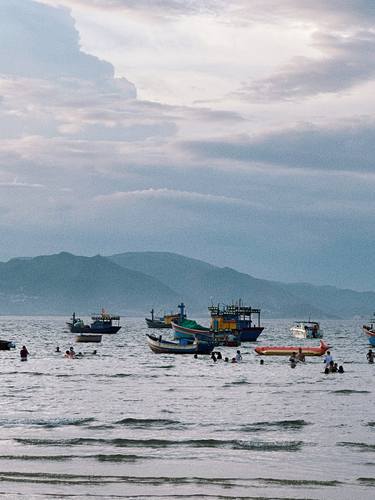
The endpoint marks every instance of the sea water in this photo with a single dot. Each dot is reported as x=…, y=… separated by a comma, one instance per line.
x=128, y=423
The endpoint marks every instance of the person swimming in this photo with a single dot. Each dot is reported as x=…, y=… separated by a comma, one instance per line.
x=238, y=356
x=293, y=360
x=341, y=369
x=300, y=356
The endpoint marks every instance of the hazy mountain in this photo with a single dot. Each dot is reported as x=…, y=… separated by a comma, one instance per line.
x=134, y=282
x=200, y=284
x=65, y=283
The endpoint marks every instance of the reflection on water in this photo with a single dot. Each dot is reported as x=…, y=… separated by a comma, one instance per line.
x=126, y=423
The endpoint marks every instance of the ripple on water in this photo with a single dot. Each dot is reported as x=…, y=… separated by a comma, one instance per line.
x=166, y=443
x=47, y=423
x=145, y=423
x=359, y=446
x=274, y=425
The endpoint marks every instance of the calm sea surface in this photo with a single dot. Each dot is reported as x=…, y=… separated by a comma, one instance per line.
x=127, y=423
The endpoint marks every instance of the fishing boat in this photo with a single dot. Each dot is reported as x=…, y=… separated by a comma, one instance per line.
x=161, y=346
x=166, y=320
x=101, y=323
x=236, y=318
x=7, y=345
x=372, y=340
x=190, y=329
x=369, y=329
x=307, y=330
x=288, y=350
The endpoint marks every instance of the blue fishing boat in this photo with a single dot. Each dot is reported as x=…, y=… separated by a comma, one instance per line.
x=236, y=318
x=372, y=340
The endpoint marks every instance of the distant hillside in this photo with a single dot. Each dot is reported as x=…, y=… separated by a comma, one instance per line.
x=132, y=283
x=65, y=283
x=200, y=284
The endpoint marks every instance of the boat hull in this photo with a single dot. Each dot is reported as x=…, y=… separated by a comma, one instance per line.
x=368, y=331
x=159, y=346
x=181, y=332
x=372, y=340
x=289, y=350
x=6, y=345
x=105, y=330
x=251, y=334
x=89, y=338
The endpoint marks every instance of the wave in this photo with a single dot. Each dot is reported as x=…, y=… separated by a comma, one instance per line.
x=368, y=481
x=349, y=391
x=299, y=482
x=141, y=423
x=274, y=425
x=117, y=457
x=165, y=443
x=48, y=424
x=360, y=446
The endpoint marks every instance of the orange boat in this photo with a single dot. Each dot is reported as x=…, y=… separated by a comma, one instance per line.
x=289, y=350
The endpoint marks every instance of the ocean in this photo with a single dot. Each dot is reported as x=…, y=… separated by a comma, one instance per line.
x=128, y=423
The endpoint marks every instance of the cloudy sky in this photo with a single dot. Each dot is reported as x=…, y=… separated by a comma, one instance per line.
x=240, y=132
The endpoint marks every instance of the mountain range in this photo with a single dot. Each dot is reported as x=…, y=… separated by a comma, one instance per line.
x=132, y=283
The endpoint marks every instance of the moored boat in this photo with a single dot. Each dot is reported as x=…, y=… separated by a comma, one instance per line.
x=161, y=346
x=372, y=340
x=101, y=323
x=7, y=345
x=190, y=329
x=166, y=320
x=307, y=330
x=236, y=318
x=288, y=350
x=369, y=329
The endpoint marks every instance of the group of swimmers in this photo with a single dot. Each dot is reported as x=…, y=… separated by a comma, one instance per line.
x=331, y=366
x=216, y=355
x=71, y=354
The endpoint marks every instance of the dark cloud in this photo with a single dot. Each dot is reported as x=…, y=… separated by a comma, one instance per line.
x=347, y=61
x=348, y=149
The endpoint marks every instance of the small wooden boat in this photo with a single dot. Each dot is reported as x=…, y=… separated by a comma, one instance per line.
x=161, y=346
x=190, y=330
x=88, y=337
x=289, y=350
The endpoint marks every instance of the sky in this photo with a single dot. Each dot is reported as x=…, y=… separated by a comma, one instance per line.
x=237, y=132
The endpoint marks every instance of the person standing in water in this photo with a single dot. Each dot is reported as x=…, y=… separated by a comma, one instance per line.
x=24, y=353
x=370, y=356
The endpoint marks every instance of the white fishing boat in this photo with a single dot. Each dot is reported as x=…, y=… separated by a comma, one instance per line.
x=306, y=330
